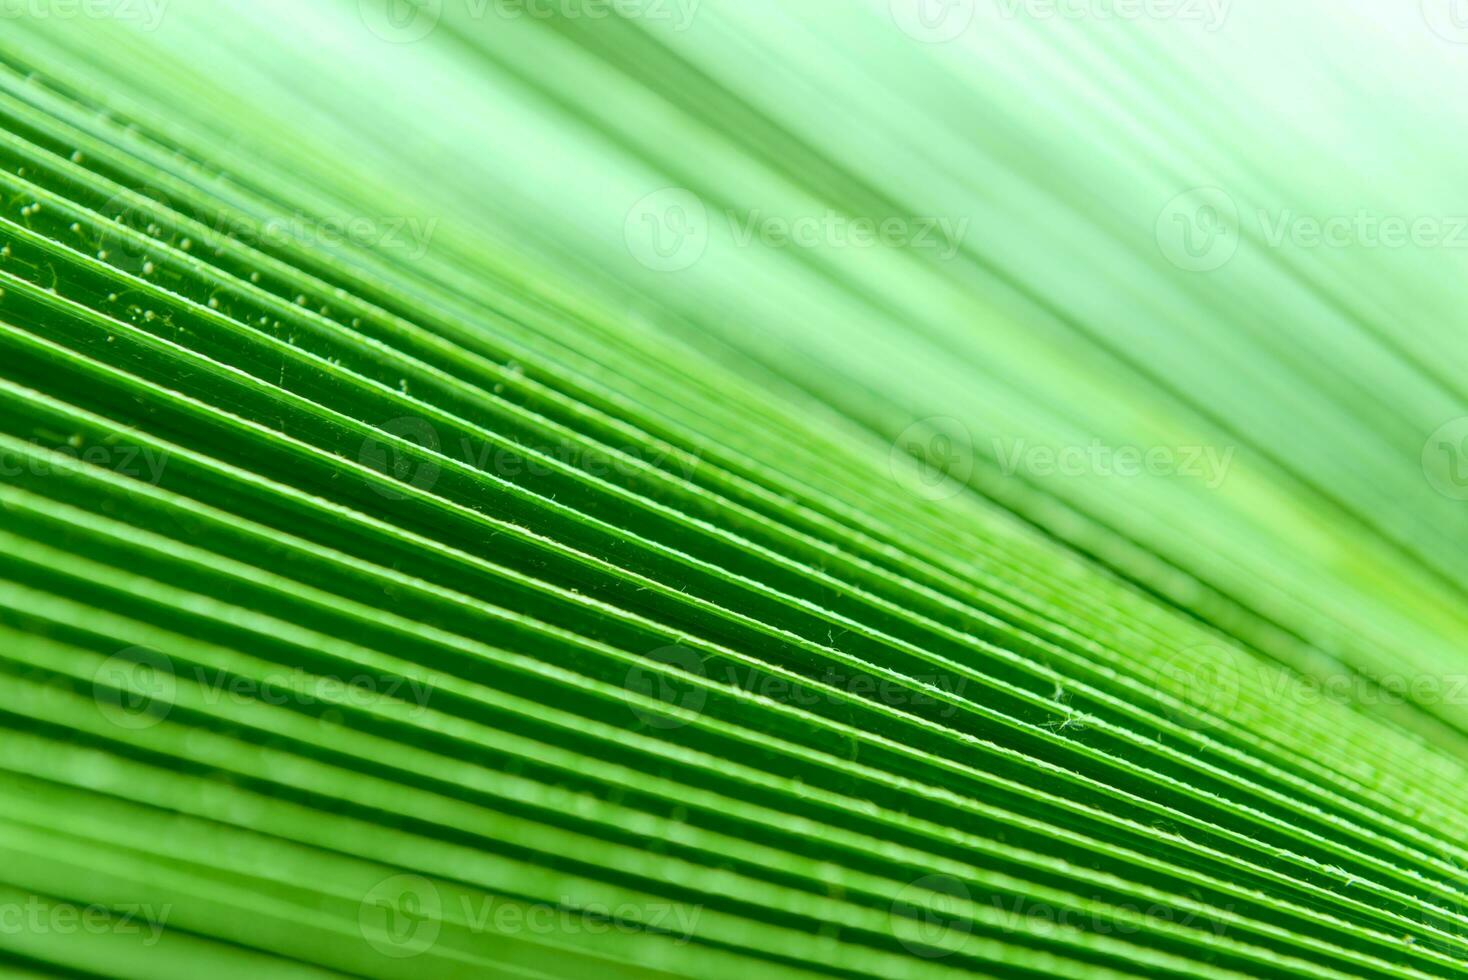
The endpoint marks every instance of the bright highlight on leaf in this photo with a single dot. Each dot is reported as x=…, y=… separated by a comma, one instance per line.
x=623, y=488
